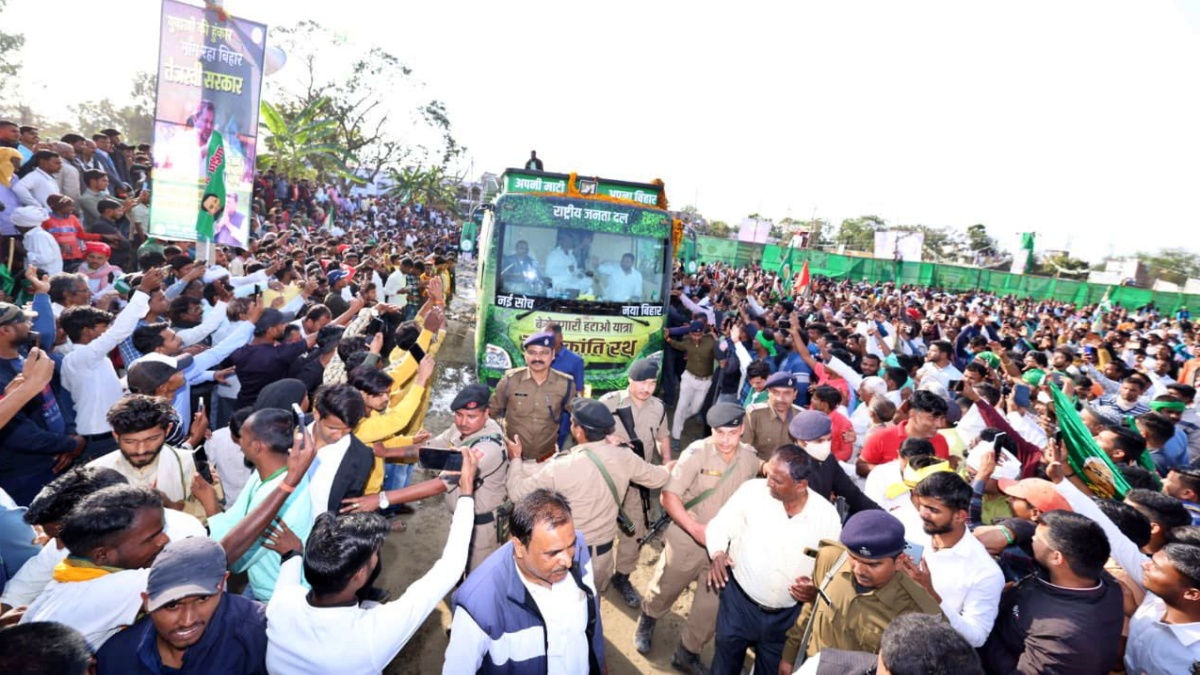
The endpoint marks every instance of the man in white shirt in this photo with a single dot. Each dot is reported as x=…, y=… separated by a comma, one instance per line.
x=623, y=283
x=50, y=509
x=113, y=536
x=39, y=184
x=87, y=371
x=140, y=425
x=939, y=365
x=532, y=606
x=327, y=630
x=41, y=251
x=341, y=468
x=761, y=533
x=957, y=570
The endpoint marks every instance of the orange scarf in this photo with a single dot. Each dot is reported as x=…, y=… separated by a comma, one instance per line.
x=77, y=569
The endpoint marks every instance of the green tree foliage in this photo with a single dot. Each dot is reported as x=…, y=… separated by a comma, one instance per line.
x=978, y=238
x=432, y=186
x=1175, y=265
x=376, y=131
x=858, y=234
x=134, y=117
x=10, y=54
x=720, y=228
x=297, y=143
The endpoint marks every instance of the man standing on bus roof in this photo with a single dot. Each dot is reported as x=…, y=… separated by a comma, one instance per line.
x=531, y=400
x=534, y=164
x=623, y=282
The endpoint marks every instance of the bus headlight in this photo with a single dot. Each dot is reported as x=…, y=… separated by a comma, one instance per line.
x=497, y=358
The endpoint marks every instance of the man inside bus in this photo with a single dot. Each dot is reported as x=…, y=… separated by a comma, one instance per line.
x=519, y=267
x=622, y=282
x=563, y=268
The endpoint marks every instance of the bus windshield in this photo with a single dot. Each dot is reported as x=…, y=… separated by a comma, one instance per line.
x=580, y=264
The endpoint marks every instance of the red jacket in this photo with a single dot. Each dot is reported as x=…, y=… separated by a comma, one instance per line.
x=68, y=232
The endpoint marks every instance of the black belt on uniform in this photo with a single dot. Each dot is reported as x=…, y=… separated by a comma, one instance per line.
x=485, y=518
x=98, y=437
x=764, y=608
x=600, y=550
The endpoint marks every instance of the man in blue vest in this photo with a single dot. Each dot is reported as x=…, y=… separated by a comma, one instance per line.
x=531, y=606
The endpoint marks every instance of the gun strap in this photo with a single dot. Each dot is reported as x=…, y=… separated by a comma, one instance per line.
x=612, y=487
x=802, y=655
x=625, y=414
x=712, y=490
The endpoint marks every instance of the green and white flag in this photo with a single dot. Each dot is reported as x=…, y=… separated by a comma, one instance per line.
x=1023, y=259
x=212, y=201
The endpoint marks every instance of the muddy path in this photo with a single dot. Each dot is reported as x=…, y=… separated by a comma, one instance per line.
x=408, y=555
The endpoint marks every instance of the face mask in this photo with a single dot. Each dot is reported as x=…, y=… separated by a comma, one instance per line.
x=818, y=450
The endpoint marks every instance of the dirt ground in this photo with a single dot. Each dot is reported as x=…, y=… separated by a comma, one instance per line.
x=408, y=555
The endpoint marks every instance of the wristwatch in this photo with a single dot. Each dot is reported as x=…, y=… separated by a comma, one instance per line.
x=383, y=500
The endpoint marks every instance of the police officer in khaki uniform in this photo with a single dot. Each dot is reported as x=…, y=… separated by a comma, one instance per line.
x=474, y=429
x=531, y=400
x=578, y=476
x=767, y=423
x=866, y=589
x=649, y=417
x=708, y=472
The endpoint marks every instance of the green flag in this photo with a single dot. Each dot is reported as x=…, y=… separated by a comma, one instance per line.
x=1086, y=458
x=212, y=203
x=786, y=272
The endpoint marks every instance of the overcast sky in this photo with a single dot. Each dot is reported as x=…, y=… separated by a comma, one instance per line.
x=1076, y=119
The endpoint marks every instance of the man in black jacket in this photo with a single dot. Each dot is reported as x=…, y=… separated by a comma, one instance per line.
x=1068, y=617
x=813, y=431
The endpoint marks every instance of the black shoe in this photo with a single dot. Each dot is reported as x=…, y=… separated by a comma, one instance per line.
x=644, y=635
x=687, y=662
x=626, y=589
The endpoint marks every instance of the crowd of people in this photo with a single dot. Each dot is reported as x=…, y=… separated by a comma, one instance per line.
x=200, y=460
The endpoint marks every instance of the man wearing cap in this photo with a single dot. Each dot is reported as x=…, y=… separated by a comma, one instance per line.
x=701, y=350
x=265, y=359
x=708, y=472
x=813, y=431
x=473, y=428
x=647, y=417
x=767, y=423
x=189, y=617
x=41, y=250
x=335, y=301
x=531, y=400
x=863, y=589
x=757, y=544
x=593, y=476
x=88, y=373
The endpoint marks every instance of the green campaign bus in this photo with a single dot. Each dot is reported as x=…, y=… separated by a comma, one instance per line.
x=593, y=255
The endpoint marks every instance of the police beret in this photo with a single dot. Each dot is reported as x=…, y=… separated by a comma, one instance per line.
x=472, y=397
x=725, y=415
x=543, y=339
x=810, y=425
x=696, y=327
x=592, y=414
x=643, y=369
x=781, y=379
x=873, y=534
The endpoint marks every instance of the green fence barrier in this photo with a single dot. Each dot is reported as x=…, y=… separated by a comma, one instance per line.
x=948, y=277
